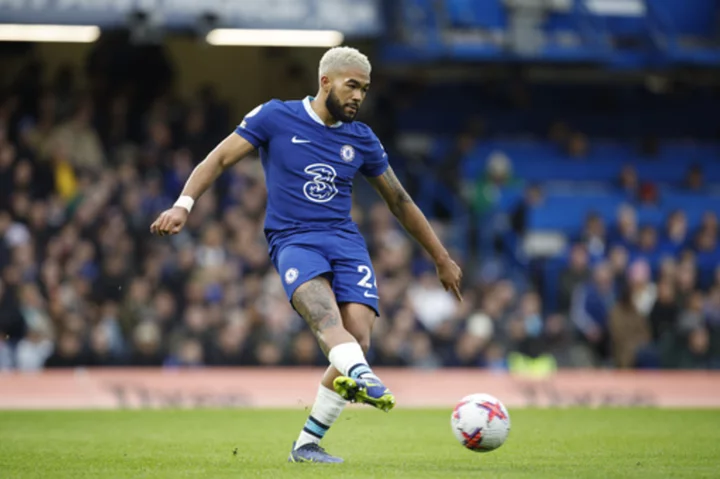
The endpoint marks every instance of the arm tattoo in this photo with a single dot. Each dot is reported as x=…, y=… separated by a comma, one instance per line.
x=409, y=215
x=315, y=303
x=398, y=196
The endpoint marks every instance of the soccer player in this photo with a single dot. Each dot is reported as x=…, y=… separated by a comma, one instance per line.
x=311, y=150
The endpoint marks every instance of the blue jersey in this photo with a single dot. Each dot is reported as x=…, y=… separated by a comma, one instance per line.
x=309, y=166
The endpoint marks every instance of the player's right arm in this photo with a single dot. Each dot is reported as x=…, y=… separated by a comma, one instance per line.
x=228, y=152
x=254, y=131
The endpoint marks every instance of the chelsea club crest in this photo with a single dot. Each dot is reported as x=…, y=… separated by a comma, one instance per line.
x=291, y=275
x=347, y=153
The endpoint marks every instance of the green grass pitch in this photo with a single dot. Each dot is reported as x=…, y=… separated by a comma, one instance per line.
x=560, y=443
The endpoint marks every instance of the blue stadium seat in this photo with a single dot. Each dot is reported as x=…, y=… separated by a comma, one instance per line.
x=662, y=172
x=651, y=216
x=488, y=14
x=569, y=212
x=557, y=22
x=697, y=20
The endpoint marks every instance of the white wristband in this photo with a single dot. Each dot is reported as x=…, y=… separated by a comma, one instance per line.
x=185, y=202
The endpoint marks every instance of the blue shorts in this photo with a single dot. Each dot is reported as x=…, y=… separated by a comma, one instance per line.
x=340, y=256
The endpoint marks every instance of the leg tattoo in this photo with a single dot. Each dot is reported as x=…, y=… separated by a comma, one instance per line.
x=316, y=304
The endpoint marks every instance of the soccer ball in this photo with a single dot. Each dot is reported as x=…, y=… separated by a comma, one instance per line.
x=480, y=422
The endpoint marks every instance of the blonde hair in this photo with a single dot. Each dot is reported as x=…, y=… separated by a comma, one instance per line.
x=339, y=58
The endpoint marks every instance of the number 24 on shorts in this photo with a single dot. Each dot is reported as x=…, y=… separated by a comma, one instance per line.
x=365, y=281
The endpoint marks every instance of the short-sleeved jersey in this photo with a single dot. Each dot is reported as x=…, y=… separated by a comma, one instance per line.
x=309, y=166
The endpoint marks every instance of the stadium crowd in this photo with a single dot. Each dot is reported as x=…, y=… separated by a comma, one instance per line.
x=83, y=283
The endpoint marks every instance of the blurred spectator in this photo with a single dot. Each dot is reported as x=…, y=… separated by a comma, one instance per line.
x=468, y=352
x=229, y=346
x=647, y=245
x=590, y=309
x=676, y=233
x=267, y=354
x=642, y=290
x=6, y=355
x=102, y=352
x=693, y=315
x=625, y=231
x=629, y=331
x=594, y=236
x=465, y=142
x=694, y=179
x=629, y=183
x=388, y=350
x=69, y=352
x=431, y=304
x=664, y=314
x=712, y=314
x=34, y=349
x=619, y=259
x=305, y=351
x=147, y=348
x=7, y=163
x=688, y=347
x=35, y=127
x=686, y=281
x=709, y=222
x=558, y=339
x=707, y=253
x=712, y=307
x=526, y=327
x=421, y=354
x=196, y=134
x=690, y=350
x=76, y=141
x=136, y=306
x=12, y=323
x=577, y=146
x=519, y=216
x=498, y=174
x=577, y=273
x=649, y=194
x=187, y=353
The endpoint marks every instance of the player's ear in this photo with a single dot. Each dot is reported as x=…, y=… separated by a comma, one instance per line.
x=325, y=83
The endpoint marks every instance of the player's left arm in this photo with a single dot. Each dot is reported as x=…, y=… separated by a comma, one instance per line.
x=414, y=221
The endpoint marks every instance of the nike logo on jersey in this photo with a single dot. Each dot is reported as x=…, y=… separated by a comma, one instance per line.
x=368, y=294
x=298, y=141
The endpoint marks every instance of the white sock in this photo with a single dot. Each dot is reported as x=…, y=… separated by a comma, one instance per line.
x=348, y=358
x=327, y=408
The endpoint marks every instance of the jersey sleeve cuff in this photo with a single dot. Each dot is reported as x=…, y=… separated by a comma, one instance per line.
x=376, y=171
x=249, y=136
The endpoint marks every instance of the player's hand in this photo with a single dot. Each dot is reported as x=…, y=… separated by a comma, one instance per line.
x=450, y=276
x=170, y=221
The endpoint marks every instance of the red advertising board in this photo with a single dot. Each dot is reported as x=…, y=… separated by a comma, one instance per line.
x=288, y=388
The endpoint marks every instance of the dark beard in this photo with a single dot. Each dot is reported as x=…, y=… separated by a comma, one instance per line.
x=332, y=103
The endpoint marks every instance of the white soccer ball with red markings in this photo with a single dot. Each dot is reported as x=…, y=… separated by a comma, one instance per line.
x=480, y=422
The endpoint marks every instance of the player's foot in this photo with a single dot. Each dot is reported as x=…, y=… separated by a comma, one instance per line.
x=312, y=453
x=369, y=391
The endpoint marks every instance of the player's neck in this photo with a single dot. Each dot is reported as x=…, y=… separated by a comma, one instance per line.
x=318, y=106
